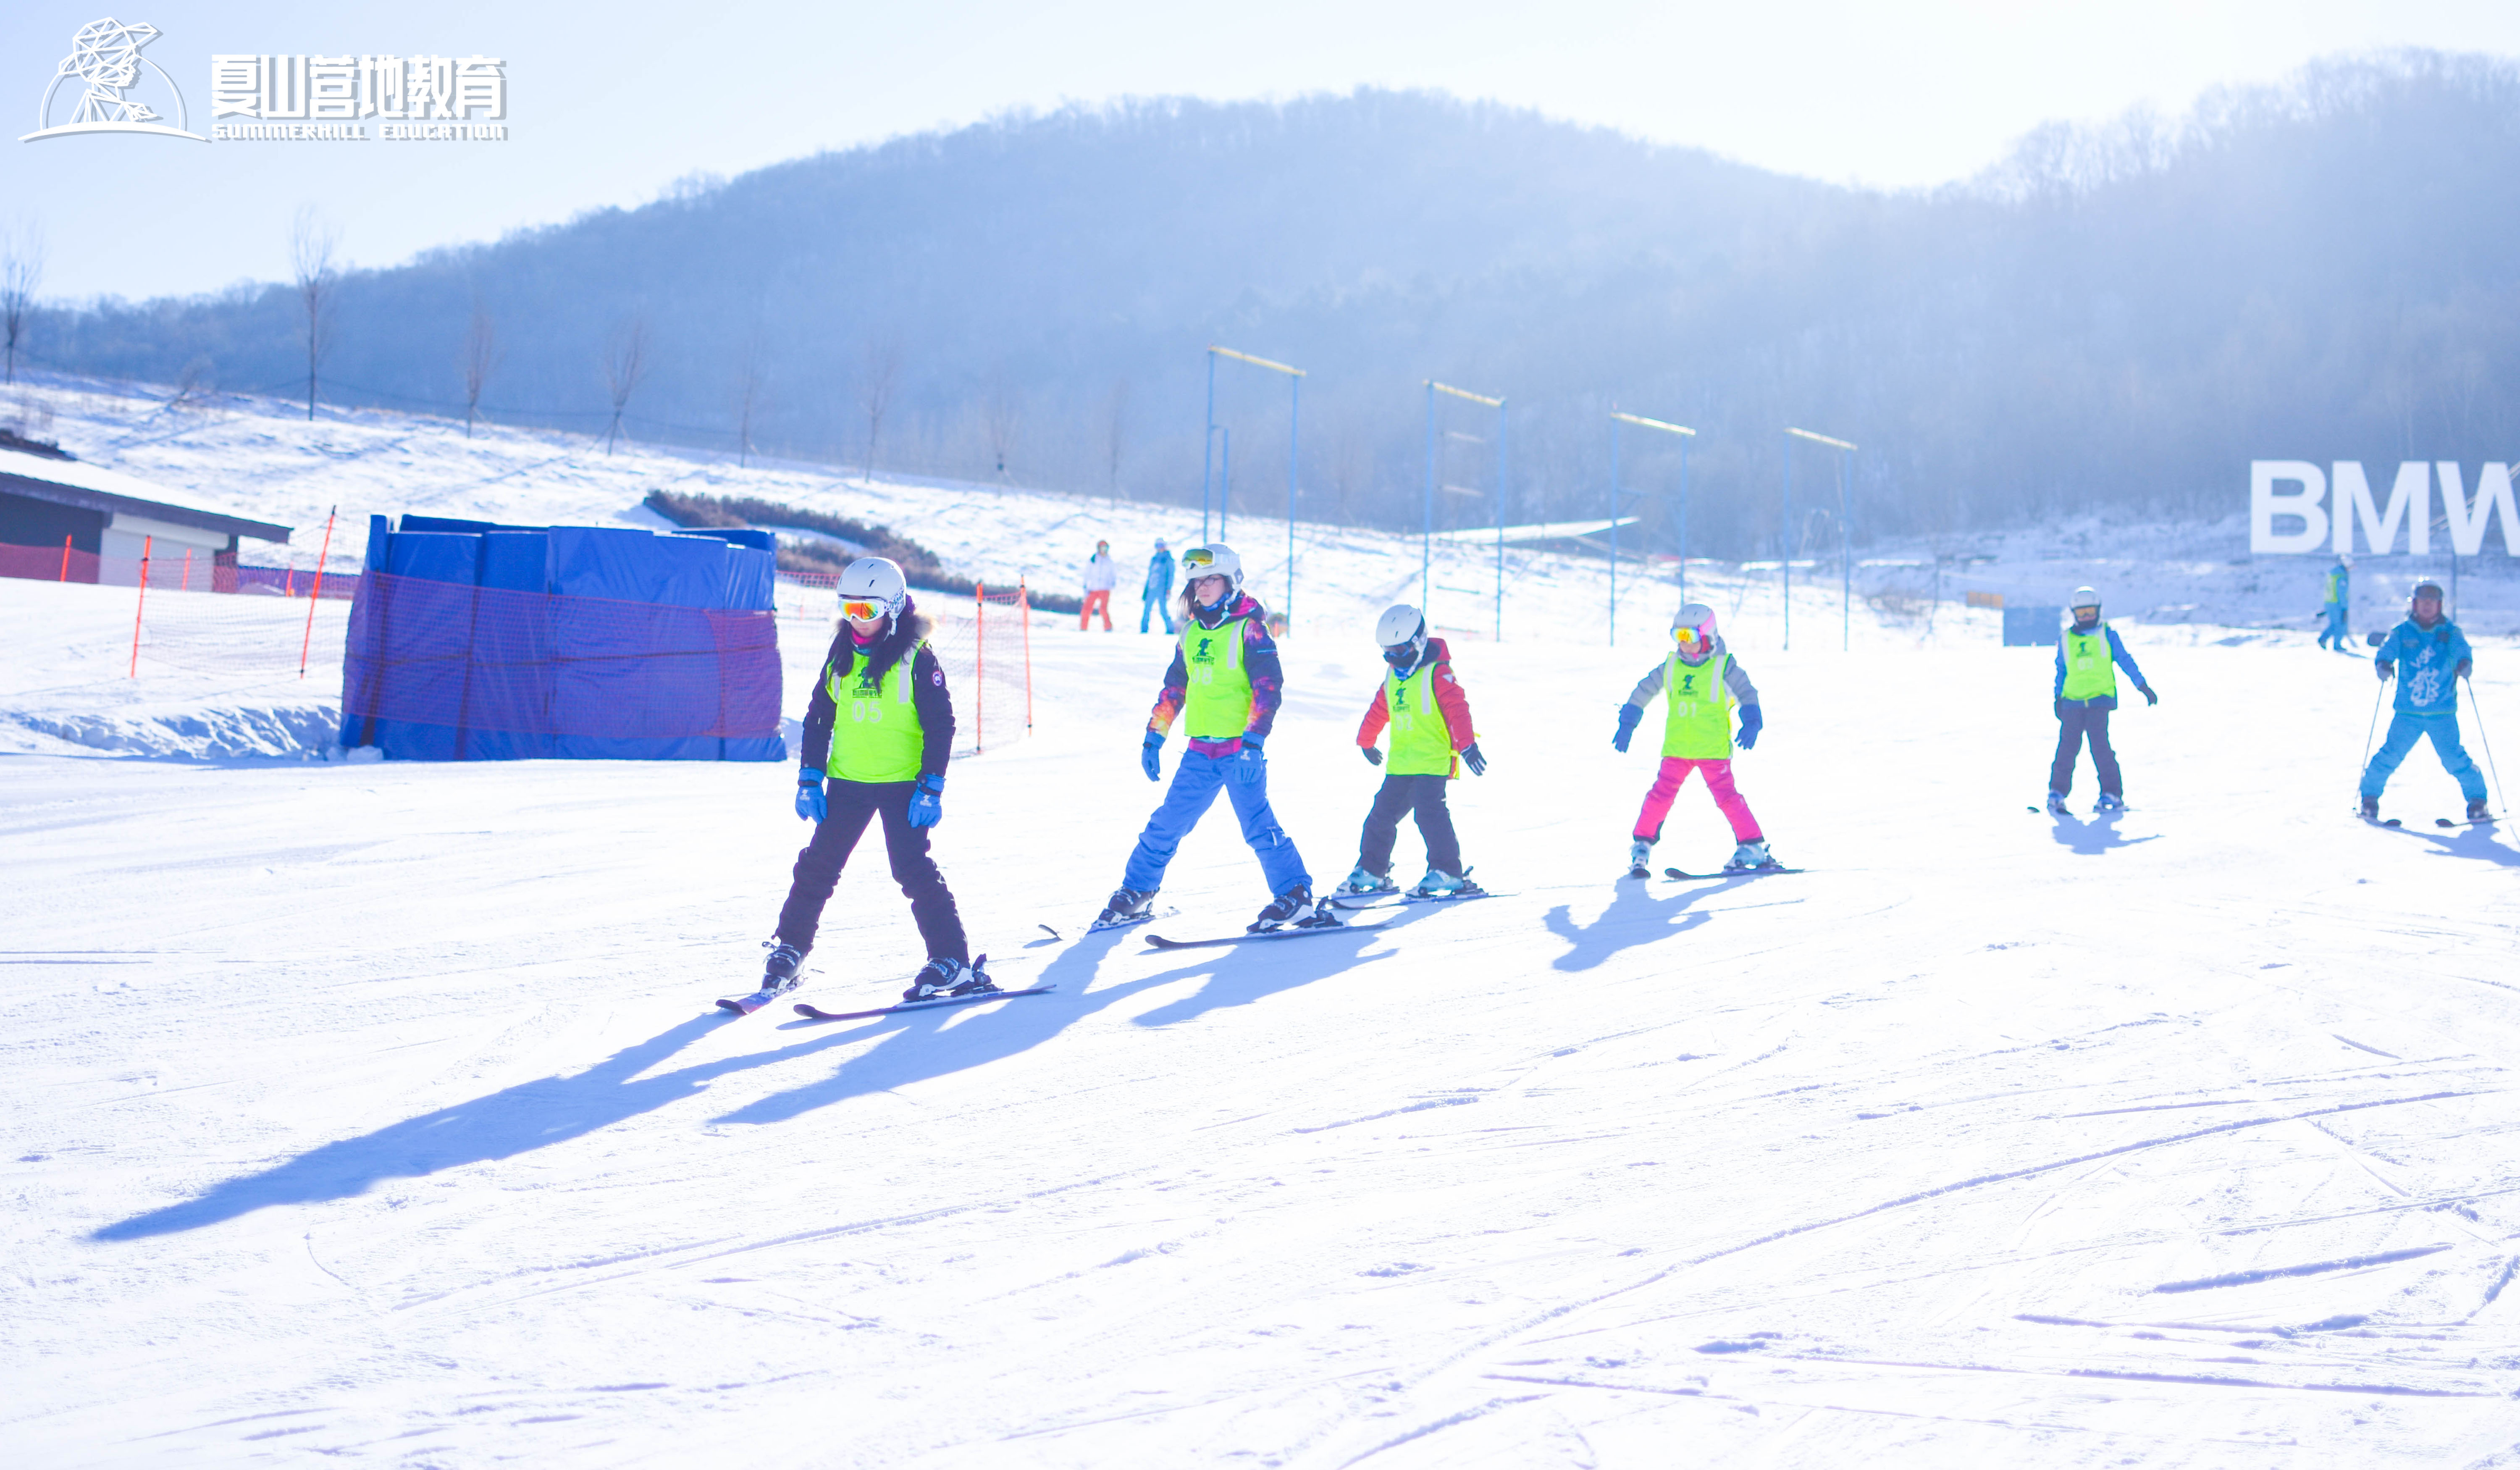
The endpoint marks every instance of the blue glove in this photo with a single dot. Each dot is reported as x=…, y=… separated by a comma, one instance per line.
x=1472, y=758
x=811, y=804
x=1152, y=756
x=2149, y=698
x=1251, y=766
x=1628, y=714
x=927, y=802
x=1751, y=723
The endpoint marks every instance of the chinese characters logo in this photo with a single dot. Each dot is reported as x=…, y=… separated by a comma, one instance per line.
x=104, y=57
x=327, y=97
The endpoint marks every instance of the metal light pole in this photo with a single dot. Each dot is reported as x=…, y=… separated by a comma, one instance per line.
x=1294, y=451
x=1686, y=434
x=1206, y=447
x=1224, y=476
x=1845, y=542
x=1426, y=541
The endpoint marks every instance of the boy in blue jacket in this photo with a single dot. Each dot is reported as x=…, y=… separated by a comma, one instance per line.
x=2427, y=655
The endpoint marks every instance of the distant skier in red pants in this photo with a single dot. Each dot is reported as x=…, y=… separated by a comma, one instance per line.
x=1701, y=685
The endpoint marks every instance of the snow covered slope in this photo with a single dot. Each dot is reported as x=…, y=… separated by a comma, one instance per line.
x=379, y=1113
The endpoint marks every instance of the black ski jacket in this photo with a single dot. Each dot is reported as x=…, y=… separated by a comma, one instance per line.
x=927, y=693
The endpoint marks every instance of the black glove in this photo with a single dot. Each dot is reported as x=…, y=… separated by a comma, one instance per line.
x=1472, y=758
x=2149, y=698
x=1628, y=714
x=2465, y=666
x=1373, y=754
x=2387, y=670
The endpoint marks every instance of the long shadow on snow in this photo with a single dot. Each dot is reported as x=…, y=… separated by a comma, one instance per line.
x=2473, y=842
x=2095, y=836
x=920, y=1047
x=1635, y=916
x=495, y=1126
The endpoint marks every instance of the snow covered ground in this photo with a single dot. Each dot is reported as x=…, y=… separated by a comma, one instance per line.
x=379, y=1112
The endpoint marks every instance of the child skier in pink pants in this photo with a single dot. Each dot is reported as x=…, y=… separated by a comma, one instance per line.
x=1701, y=685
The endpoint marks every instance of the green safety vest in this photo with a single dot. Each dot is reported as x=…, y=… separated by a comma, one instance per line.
x=1217, y=706
x=2089, y=672
x=875, y=734
x=1697, y=709
x=2336, y=584
x=1420, y=742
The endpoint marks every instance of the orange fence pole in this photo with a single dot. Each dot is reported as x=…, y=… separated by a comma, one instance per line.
x=188, y=571
x=145, y=543
x=312, y=598
x=66, y=558
x=979, y=661
x=1023, y=611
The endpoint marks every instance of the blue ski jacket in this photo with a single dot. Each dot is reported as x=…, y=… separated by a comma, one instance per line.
x=2428, y=661
x=2117, y=655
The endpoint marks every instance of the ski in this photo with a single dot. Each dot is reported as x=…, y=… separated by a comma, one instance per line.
x=2464, y=822
x=1355, y=903
x=1148, y=917
x=1162, y=943
x=813, y=1012
x=2388, y=821
x=745, y=1006
x=1734, y=872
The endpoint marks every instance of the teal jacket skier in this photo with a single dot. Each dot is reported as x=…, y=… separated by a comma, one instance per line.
x=2427, y=655
x=2339, y=599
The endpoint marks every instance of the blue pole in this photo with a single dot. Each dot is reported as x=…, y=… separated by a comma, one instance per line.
x=1294, y=445
x=1845, y=554
x=1224, y=475
x=1614, y=533
x=1207, y=446
x=1786, y=563
x=1499, y=515
x=1684, y=518
x=1426, y=546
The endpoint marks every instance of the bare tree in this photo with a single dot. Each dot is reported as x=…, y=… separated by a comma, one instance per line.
x=22, y=270
x=1119, y=426
x=311, y=247
x=1003, y=414
x=625, y=363
x=748, y=397
x=481, y=358
x=875, y=391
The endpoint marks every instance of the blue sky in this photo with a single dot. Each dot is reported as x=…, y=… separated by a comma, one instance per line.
x=609, y=103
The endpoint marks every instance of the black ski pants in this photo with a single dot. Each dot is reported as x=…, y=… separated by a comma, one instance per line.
x=853, y=805
x=2079, y=720
x=1399, y=795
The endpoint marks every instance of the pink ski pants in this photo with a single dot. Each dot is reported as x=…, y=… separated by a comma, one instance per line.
x=1719, y=781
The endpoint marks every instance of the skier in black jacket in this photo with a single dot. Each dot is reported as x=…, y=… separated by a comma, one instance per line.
x=885, y=759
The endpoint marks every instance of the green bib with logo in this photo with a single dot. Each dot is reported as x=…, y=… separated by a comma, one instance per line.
x=1697, y=709
x=2089, y=672
x=1420, y=742
x=875, y=733
x=1218, y=703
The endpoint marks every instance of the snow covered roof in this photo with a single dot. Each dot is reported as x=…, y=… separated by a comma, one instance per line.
x=94, y=487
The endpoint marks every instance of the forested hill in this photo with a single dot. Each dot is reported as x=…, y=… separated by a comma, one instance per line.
x=2117, y=315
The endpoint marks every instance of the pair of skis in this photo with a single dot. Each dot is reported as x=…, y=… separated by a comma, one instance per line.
x=745, y=1006
x=2399, y=822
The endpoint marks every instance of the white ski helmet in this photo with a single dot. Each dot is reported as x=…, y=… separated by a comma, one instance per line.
x=2084, y=597
x=873, y=584
x=1402, y=631
x=1692, y=627
x=1214, y=560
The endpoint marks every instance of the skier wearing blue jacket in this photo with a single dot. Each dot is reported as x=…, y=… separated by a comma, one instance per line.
x=2340, y=589
x=2427, y=655
x=2087, y=656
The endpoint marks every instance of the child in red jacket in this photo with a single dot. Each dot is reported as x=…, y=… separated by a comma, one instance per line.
x=1431, y=739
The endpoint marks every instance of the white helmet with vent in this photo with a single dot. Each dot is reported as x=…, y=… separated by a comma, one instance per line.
x=1402, y=631
x=872, y=588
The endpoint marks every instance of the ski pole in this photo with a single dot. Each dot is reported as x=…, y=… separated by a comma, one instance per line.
x=2374, y=728
x=2485, y=739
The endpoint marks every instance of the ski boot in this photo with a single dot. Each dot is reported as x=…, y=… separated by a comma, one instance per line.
x=1127, y=906
x=1749, y=855
x=778, y=972
x=1363, y=880
x=2109, y=801
x=2371, y=807
x=2057, y=805
x=1639, y=857
x=1294, y=909
x=1439, y=884
x=941, y=977
x=2476, y=811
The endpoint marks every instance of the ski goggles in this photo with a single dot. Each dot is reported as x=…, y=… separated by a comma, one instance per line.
x=860, y=609
x=1687, y=637
x=1198, y=559
x=1400, y=655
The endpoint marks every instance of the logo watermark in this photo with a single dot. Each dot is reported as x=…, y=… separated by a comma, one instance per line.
x=104, y=57
x=326, y=99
